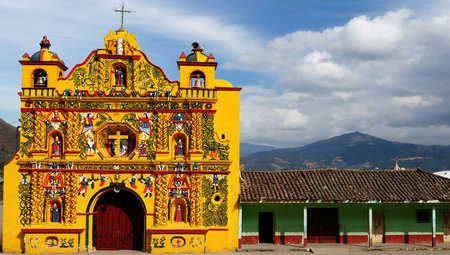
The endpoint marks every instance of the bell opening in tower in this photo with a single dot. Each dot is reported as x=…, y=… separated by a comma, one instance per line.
x=197, y=80
x=40, y=78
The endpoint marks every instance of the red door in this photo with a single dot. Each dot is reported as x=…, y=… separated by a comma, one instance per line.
x=323, y=225
x=119, y=222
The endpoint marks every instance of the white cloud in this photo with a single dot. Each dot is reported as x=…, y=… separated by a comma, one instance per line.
x=387, y=76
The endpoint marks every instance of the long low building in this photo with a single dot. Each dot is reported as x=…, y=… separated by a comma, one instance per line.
x=344, y=206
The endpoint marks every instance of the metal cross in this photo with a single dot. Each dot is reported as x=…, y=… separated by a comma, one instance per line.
x=122, y=10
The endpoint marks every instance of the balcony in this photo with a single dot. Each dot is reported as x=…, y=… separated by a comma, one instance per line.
x=38, y=92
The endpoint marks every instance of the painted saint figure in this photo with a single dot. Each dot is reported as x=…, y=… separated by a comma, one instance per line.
x=148, y=181
x=56, y=147
x=179, y=214
x=88, y=125
x=102, y=179
x=179, y=148
x=215, y=179
x=123, y=150
x=132, y=181
x=54, y=211
x=118, y=73
x=179, y=169
x=178, y=185
x=84, y=183
x=142, y=149
x=145, y=126
x=55, y=117
x=90, y=147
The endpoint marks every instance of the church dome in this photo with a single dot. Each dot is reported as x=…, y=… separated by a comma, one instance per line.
x=44, y=54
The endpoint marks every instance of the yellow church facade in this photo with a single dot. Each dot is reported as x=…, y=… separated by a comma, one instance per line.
x=114, y=155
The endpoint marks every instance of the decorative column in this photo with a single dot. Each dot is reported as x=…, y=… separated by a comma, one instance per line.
x=195, y=146
x=161, y=200
x=73, y=126
x=162, y=147
x=71, y=180
x=305, y=226
x=40, y=133
x=37, y=197
x=196, y=200
x=370, y=226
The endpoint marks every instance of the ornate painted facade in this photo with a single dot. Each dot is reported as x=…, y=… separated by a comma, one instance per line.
x=117, y=156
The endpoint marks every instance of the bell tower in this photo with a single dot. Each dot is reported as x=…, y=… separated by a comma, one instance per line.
x=197, y=70
x=43, y=68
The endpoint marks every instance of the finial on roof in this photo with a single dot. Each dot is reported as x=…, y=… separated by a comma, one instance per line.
x=45, y=43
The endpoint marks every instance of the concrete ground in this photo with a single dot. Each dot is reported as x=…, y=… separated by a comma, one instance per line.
x=355, y=249
x=334, y=249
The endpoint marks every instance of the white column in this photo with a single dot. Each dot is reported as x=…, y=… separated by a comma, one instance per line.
x=433, y=242
x=240, y=226
x=305, y=226
x=370, y=226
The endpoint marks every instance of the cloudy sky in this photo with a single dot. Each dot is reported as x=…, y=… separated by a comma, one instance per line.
x=309, y=69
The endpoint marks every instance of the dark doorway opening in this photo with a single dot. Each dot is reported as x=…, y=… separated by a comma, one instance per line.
x=119, y=222
x=266, y=227
x=323, y=225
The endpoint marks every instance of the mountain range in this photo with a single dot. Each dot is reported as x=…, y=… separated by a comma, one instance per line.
x=351, y=151
x=249, y=148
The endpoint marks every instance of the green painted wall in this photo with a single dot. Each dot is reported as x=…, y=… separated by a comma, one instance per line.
x=399, y=219
x=288, y=218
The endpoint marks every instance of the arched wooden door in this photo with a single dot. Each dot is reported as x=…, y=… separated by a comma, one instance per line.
x=119, y=222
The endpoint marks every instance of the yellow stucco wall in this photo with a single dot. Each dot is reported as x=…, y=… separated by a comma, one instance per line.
x=68, y=160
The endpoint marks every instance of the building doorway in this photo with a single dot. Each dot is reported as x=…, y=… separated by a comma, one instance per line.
x=266, y=227
x=119, y=222
x=446, y=217
x=323, y=225
x=378, y=227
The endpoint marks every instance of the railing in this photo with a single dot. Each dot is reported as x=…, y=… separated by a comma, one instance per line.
x=38, y=92
x=198, y=93
x=183, y=93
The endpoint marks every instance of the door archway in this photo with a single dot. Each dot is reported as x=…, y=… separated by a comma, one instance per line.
x=119, y=221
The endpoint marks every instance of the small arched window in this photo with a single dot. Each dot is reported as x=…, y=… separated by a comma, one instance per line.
x=197, y=80
x=40, y=78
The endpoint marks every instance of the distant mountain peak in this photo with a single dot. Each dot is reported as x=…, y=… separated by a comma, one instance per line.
x=354, y=150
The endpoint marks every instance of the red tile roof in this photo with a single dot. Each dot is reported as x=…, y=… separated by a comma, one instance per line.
x=333, y=185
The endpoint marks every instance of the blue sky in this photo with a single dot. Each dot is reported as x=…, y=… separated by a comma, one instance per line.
x=309, y=70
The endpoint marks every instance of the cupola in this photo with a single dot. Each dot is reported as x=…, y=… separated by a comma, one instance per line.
x=197, y=70
x=43, y=68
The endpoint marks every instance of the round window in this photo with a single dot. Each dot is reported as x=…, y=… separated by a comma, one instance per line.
x=217, y=198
